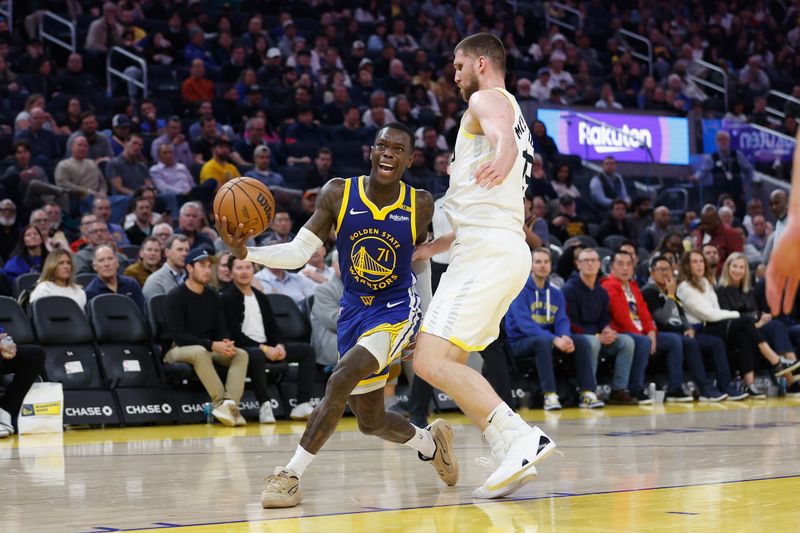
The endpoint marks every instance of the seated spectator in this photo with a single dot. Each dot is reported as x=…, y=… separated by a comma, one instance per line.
x=324, y=315
x=148, y=262
x=607, y=100
x=713, y=231
x=26, y=363
x=190, y=224
x=58, y=230
x=196, y=323
x=174, y=137
x=9, y=230
x=101, y=207
x=58, y=279
x=641, y=217
x=262, y=157
x=321, y=172
x=80, y=176
x=537, y=326
x=142, y=226
x=587, y=310
x=120, y=133
x=280, y=229
x=44, y=145
x=539, y=184
x=105, y=31
x=757, y=238
x=566, y=223
x=608, y=186
x=27, y=183
x=126, y=172
x=295, y=286
x=53, y=238
x=219, y=167
x=253, y=327
x=562, y=183
x=543, y=144
x=303, y=137
x=197, y=88
x=98, y=145
x=108, y=281
x=656, y=231
x=172, y=273
x=162, y=231
x=27, y=256
x=735, y=293
x=742, y=339
x=537, y=234
x=85, y=224
x=616, y=223
x=669, y=317
x=203, y=144
x=754, y=207
x=75, y=80
x=98, y=235
x=630, y=315
x=221, y=277
x=540, y=90
x=316, y=270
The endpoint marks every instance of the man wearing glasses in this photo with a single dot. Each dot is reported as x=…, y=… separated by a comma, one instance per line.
x=587, y=309
x=9, y=231
x=98, y=235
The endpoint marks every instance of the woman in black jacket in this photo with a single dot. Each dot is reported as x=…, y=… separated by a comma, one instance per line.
x=735, y=293
x=252, y=324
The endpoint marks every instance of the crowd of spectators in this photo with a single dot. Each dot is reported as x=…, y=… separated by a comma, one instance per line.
x=292, y=93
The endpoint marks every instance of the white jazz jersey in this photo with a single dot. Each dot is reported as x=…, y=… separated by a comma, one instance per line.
x=468, y=204
x=489, y=259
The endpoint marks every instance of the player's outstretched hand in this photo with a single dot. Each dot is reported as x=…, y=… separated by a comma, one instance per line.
x=489, y=175
x=423, y=252
x=783, y=270
x=236, y=243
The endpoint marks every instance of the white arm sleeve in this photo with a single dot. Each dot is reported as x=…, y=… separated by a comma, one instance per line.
x=422, y=270
x=289, y=255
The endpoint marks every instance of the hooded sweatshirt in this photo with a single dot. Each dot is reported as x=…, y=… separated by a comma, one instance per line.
x=537, y=312
x=587, y=308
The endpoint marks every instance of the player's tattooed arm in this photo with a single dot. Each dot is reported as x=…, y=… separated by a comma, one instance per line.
x=424, y=214
x=329, y=202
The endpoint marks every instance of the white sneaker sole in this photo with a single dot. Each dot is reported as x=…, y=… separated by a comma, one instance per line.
x=224, y=417
x=485, y=494
x=519, y=473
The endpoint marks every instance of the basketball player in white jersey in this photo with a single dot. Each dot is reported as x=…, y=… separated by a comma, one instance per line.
x=489, y=261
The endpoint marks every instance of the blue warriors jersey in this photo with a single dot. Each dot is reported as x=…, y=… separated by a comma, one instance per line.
x=375, y=247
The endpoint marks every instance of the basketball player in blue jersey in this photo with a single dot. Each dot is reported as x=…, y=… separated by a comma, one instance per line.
x=378, y=220
x=489, y=260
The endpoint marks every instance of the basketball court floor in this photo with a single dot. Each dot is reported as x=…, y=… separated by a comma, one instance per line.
x=710, y=468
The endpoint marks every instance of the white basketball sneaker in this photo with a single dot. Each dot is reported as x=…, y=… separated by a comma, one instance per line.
x=499, y=450
x=524, y=451
x=265, y=414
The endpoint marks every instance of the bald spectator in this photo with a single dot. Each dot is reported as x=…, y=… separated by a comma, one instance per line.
x=608, y=185
x=81, y=176
x=101, y=207
x=713, y=231
x=657, y=230
x=99, y=145
x=44, y=145
x=108, y=280
x=753, y=78
x=197, y=87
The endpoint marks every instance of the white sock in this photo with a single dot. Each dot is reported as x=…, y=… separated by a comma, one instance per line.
x=503, y=418
x=422, y=442
x=301, y=461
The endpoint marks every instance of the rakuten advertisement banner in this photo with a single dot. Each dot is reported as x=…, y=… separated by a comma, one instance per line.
x=666, y=137
x=757, y=145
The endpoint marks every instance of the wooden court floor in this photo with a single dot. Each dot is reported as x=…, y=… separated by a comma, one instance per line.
x=698, y=468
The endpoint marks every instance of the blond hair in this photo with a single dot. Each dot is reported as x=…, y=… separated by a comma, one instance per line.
x=725, y=279
x=50, y=264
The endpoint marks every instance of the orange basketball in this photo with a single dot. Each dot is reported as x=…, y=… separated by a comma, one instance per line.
x=245, y=201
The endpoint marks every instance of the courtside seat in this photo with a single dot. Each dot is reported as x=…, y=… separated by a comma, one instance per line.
x=174, y=372
x=123, y=341
x=294, y=325
x=66, y=337
x=14, y=321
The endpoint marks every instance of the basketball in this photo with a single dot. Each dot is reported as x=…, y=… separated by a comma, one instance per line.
x=245, y=201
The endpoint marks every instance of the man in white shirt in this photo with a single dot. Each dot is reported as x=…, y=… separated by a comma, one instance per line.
x=295, y=286
x=316, y=270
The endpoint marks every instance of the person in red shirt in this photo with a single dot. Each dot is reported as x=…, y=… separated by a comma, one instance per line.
x=713, y=231
x=197, y=88
x=630, y=315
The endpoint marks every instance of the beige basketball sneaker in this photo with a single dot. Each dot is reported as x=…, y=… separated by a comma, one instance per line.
x=283, y=489
x=443, y=460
